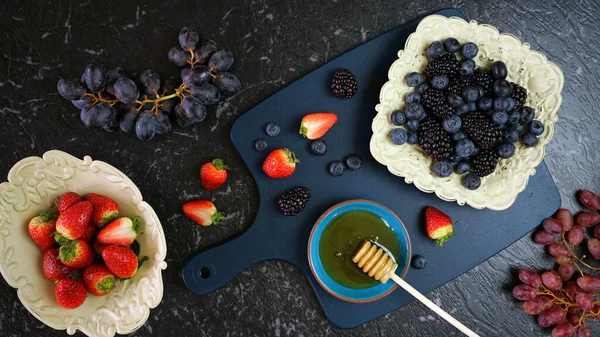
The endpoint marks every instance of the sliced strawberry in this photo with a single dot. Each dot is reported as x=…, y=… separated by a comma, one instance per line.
x=53, y=268
x=203, y=212
x=76, y=254
x=67, y=200
x=438, y=225
x=73, y=222
x=98, y=280
x=316, y=125
x=41, y=228
x=122, y=231
x=105, y=209
x=120, y=260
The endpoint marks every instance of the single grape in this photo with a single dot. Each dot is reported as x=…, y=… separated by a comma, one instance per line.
x=179, y=57
x=596, y=232
x=207, y=93
x=193, y=108
x=593, y=246
x=572, y=288
x=589, y=199
x=573, y=318
x=98, y=115
x=585, y=331
x=112, y=76
x=126, y=90
x=168, y=105
x=576, y=235
x=220, y=61
x=80, y=103
x=163, y=123
x=556, y=249
x=544, y=238
x=524, y=292
x=113, y=122
x=95, y=77
x=563, y=330
x=551, y=316
x=553, y=226
x=188, y=38
x=565, y=217
x=589, y=283
x=181, y=117
x=206, y=50
x=566, y=271
x=551, y=280
x=128, y=118
x=587, y=219
x=169, y=85
x=195, y=77
x=533, y=306
x=530, y=278
x=564, y=260
x=150, y=81
x=584, y=301
x=227, y=83
x=145, y=127
x=84, y=115
x=546, y=301
x=70, y=89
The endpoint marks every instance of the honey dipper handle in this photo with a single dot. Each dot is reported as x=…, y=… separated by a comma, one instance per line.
x=433, y=306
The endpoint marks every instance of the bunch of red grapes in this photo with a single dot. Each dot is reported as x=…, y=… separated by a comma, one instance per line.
x=569, y=296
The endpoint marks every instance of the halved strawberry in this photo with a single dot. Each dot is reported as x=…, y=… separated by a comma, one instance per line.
x=53, y=268
x=74, y=220
x=280, y=163
x=41, y=228
x=76, y=254
x=203, y=212
x=120, y=260
x=98, y=280
x=105, y=209
x=67, y=200
x=438, y=225
x=316, y=125
x=121, y=231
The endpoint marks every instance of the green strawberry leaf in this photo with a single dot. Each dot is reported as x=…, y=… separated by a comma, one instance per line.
x=61, y=240
x=141, y=261
x=48, y=215
x=137, y=226
x=217, y=218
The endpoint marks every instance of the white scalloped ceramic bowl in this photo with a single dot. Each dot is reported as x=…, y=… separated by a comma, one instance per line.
x=528, y=68
x=34, y=184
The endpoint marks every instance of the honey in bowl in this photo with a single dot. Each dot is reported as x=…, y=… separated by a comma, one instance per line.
x=343, y=236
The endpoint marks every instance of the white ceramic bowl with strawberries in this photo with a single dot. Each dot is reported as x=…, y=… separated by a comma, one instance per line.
x=36, y=184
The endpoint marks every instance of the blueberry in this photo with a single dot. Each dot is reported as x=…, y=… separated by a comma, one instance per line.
x=442, y=168
x=500, y=117
x=435, y=50
x=511, y=135
x=463, y=167
x=413, y=79
x=485, y=103
x=475, y=152
x=529, y=139
x=260, y=145
x=413, y=97
x=353, y=162
x=527, y=114
x=472, y=106
x=398, y=136
x=455, y=100
x=455, y=158
x=467, y=68
x=413, y=137
x=452, y=124
x=472, y=181
x=464, y=148
x=513, y=118
x=412, y=125
x=510, y=104
x=440, y=81
x=421, y=88
x=419, y=262
x=336, y=168
x=273, y=129
x=398, y=117
x=506, y=150
x=461, y=109
x=536, y=127
x=499, y=70
x=469, y=50
x=502, y=88
x=470, y=94
x=414, y=111
x=501, y=104
x=459, y=136
x=481, y=91
x=318, y=147
x=451, y=45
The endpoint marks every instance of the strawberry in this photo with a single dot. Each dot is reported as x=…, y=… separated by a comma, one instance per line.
x=316, y=125
x=438, y=225
x=73, y=221
x=280, y=163
x=105, y=209
x=98, y=280
x=76, y=254
x=69, y=293
x=98, y=247
x=120, y=260
x=213, y=174
x=121, y=231
x=67, y=200
x=89, y=233
x=203, y=212
x=53, y=268
x=41, y=228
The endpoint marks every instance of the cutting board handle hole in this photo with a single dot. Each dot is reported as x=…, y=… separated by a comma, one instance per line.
x=205, y=272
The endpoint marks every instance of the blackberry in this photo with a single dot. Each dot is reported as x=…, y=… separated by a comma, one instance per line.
x=434, y=140
x=457, y=84
x=294, y=201
x=482, y=130
x=344, y=83
x=436, y=101
x=485, y=163
x=483, y=78
x=447, y=65
x=519, y=94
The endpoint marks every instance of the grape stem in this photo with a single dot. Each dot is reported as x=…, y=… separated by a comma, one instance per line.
x=97, y=97
x=580, y=260
x=179, y=92
x=193, y=60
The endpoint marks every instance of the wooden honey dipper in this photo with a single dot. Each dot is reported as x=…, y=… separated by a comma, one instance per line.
x=377, y=263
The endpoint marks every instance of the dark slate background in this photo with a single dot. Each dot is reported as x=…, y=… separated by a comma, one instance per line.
x=275, y=42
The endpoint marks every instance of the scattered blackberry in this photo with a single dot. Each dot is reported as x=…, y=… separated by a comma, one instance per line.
x=485, y=163
x=447, y=64
x=482, y=130
x=483, y=78
x=457, y=84
x=344, y=83
x=294, y=201
x=434, y=140
x=519, y=94
x=436, y=101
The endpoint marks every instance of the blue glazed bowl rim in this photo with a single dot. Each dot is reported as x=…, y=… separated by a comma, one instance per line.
x=332, y=287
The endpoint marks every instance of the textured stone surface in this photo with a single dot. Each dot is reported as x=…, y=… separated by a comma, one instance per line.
x=274, y=44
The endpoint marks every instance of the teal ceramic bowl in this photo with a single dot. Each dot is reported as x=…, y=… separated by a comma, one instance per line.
x=349, y=294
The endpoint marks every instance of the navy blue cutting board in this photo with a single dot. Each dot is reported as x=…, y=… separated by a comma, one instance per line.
x=479, y=233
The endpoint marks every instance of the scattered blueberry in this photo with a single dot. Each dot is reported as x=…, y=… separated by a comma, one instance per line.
x=455, y=100
x=273, y=129
x=500, y=117
x=440, y=81
x=472, y=106
x=502, y=88
x=413, y=97
x=481, y=90
x=506, y=150
x=501, y=104
x=412, y=125
x=510, y=104
x=485, y=103
x=472, y=181
x=461, y=109
x=353, y=162
x=464, y=148
x=452, y=124
x=421, y=88
x=413, y=79
x=463, y=167
x=414, y=111
x=435, y=50
x=459, y=136
x=527, y=114
x=513, y=118
x=469, y=50
x=260, y=145
x=413, y=137
x=336, y=168
x=451, y=45
x=442, y=168
x=536, y=127
x=418, y=261
x=467, y=68
x=470, y=94
x=499, y=70
x=398, y=136
x=318, y=147
x=529, y=139
x=398, y=117
x=511, y=135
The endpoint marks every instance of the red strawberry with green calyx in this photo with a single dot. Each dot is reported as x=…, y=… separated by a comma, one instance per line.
x=41, y=228
x=316, y=125
x=67, y=200
x=213, y=174
x=54, y=269
x=203, y=212
x=76, y=254
x=280, y=163
x=105, y=209
x=121, y=231
x=120, y=260
x=98, y=280
x=73, y=222
x=438, y=225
